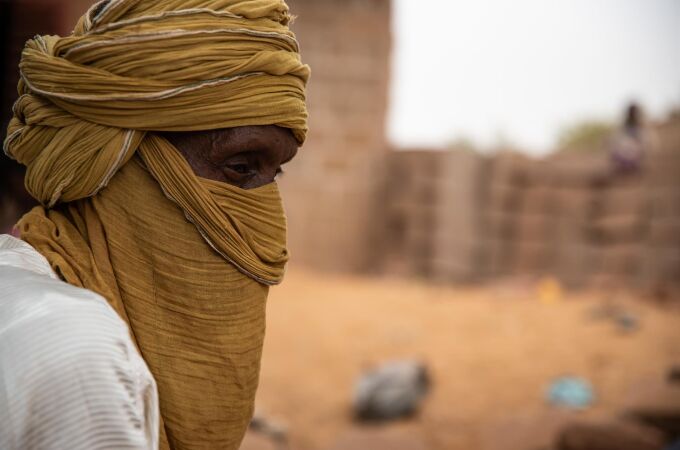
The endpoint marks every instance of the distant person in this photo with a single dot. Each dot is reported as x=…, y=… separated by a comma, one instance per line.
x=629, y=145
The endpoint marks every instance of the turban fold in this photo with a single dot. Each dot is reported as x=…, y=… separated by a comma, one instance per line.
x=132, y=66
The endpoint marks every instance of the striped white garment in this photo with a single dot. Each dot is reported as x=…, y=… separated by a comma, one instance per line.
x=70, y=376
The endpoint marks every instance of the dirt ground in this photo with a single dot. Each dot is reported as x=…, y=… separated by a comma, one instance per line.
x=491, y=350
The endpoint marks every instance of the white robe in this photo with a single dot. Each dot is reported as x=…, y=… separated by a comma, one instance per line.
x=70, y=376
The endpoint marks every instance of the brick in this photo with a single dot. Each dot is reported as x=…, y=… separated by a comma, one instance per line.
x=619, y=229
x=503, y=197
x=665, y=233
x=661, y=263
x=621, y=259
x=532, y=258
x=499, y=225
x=573, y=200
x=539, y=200
x=665, y=203
x=625, y=200
x=535, y=228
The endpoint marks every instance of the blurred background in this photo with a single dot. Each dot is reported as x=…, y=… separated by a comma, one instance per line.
x=484, y=225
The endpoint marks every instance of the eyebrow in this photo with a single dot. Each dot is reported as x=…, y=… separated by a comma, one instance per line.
x=258, y=141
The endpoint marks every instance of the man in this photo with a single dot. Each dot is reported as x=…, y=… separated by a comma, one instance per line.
x=152, y=137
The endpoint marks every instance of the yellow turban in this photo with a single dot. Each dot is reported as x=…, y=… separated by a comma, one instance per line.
x=149, y=65
x=185, y=261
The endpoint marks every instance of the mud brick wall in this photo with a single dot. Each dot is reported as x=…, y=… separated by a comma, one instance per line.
x=431, y=229
x=459, y=216
x=572, y=217
x=536, y=214
x=330, y=189
x=661, y=260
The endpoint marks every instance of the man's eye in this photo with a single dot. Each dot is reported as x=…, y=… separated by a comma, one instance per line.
x=240, y=168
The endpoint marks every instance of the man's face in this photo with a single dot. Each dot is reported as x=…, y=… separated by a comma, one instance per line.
x=246, y=157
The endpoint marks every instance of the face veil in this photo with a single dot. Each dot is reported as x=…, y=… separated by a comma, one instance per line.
x=195, y=311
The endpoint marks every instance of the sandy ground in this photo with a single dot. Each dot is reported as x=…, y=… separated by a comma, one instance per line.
x=491, y=350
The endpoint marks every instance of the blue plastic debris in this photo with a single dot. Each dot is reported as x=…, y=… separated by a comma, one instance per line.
x=571, y=392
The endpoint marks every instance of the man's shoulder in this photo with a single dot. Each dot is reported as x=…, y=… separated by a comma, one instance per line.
x=19, y=254
x=68, y=366
x=31, y=293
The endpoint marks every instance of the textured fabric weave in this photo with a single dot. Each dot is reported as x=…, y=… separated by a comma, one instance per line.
x=70, y=376
x=185, y=261
x=198, y=320
x=247, y=227
x=137, y=65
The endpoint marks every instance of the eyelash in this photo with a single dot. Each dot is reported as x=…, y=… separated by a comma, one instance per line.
x=236, y=167
x=278, y=174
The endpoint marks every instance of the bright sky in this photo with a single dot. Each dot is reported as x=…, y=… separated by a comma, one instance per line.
x=521, y=70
